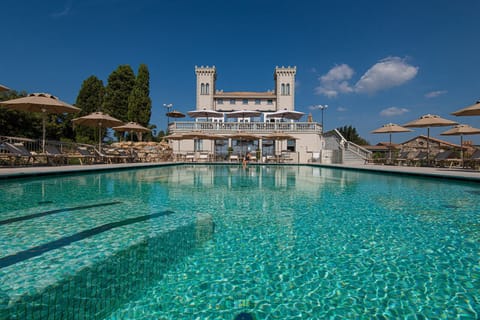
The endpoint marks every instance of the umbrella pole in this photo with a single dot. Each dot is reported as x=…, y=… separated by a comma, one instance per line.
x=99, y=138
x=390, y=149
x=428, y=144
x=43, y=132
x=461, y=149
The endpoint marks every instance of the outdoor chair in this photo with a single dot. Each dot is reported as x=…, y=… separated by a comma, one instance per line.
x=190, y=157
x=234, y=157
x=315, y=157
x=204, y=156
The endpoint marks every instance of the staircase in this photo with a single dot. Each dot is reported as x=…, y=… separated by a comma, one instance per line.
x=348, y=152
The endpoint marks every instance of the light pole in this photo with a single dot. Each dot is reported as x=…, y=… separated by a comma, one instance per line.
x=168, y=106
x=323, y=109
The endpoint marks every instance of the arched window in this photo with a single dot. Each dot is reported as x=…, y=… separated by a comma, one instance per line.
x=283, y=89
x=288, y=89
x=202, y=88
x=207, y=89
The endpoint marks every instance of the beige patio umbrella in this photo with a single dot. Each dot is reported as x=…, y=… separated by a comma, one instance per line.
x=100, y=120
x=3, y=88
x=40, y=102
x=132, y=127
x=286, y=114
x=243, y=114
x=460, y=130
x=204, y=113
x=390, y=128
x=175, y=114
x=427, y=121
x=473, y=110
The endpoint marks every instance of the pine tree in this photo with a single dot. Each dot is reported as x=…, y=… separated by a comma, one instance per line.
x=350, y=133
x=119, y=88
x=139, y=102
x=89, y=99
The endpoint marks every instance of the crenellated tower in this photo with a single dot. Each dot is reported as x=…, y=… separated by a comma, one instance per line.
x=285, y=87
x=206, y=77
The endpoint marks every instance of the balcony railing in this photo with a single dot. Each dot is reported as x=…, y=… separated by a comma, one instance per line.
x=250, y=127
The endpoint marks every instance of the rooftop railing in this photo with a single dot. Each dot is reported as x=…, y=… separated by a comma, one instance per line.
x=250, y=127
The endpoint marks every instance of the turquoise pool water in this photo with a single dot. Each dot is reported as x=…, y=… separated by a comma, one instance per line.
x=211, y=242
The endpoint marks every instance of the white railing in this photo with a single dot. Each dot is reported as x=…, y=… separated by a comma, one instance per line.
x=362, y=152
x=250, y=127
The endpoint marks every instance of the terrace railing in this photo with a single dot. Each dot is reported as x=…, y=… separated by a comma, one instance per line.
x=250, y=127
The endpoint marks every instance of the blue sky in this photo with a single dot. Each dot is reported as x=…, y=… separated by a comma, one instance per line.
x=372, y=62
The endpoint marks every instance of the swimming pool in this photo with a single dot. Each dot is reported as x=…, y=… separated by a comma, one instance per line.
x=211, y=242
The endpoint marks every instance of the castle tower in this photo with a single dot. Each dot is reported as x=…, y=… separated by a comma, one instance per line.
x=285, y=87
x=206, y=77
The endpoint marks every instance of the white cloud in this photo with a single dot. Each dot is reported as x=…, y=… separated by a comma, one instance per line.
x=64, y=12
x=393, y=111
x=335, y=81
x=387, y=73
x=342, y=109
x=434, y=94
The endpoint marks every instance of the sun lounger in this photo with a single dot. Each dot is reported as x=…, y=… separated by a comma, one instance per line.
x=234, y=157
x=406, y=157
x=448, y=158
x=54, y=156
x=18, y=152
x=85, y=155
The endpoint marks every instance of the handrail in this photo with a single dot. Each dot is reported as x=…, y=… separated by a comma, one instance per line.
x=360, y=151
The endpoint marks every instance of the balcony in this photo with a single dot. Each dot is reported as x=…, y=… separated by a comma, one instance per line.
x=250, y=127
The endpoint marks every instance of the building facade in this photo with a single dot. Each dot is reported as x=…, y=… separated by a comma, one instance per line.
x=282, y=97
x=305, y=136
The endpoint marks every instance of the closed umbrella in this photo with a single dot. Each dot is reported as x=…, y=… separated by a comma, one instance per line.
x=473, y=110
x=40, y=102
x=460, y=130
x=132, y=127
x=427, y=121
x=390, y=128
x=100, y=120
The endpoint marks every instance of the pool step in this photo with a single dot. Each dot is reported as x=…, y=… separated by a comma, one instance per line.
x=95, y=291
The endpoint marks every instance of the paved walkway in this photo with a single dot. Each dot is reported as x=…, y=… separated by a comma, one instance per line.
x=461, y=174
x=17, y=172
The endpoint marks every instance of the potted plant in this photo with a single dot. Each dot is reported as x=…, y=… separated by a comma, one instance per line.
x=229, y=150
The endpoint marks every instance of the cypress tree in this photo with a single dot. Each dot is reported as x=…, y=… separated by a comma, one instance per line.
x=89, y=99
x=119, y=87
x=139, y=102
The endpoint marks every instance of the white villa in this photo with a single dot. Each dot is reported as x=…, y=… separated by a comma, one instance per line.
x=238, y=122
